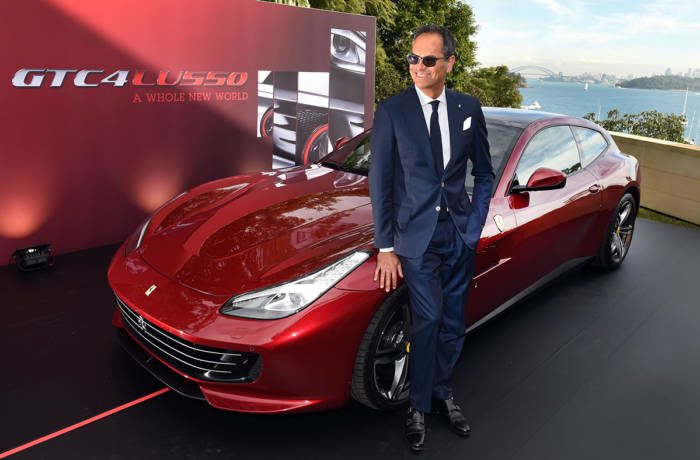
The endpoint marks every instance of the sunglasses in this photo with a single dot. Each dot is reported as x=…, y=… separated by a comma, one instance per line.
x=428, y=61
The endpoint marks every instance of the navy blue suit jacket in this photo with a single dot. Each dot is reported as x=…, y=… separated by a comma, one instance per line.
x=405, y=187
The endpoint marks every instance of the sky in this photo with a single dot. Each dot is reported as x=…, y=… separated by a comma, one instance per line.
x=575, y=36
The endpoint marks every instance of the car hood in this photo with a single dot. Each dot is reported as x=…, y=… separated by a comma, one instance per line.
x=247, y=232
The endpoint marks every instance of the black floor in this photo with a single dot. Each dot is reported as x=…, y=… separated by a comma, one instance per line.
x=595, y=366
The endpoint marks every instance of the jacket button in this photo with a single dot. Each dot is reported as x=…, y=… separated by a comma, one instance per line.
x=443, y=185
x=437, y=208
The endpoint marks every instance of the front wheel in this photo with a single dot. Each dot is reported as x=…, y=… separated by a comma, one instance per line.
x=380, y=378
x=618, y=238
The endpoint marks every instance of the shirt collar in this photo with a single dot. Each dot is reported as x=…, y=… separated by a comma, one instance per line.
x=425, y=100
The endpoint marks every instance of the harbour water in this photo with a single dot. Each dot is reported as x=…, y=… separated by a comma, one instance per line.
x=572, y=99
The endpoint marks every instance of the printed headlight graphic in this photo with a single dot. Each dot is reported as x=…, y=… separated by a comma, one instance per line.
x=348, y=50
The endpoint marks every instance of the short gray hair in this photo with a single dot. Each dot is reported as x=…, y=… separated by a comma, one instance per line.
x=449, y=42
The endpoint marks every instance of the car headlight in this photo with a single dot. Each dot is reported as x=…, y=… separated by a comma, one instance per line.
x=288, y=298
x=348, y=50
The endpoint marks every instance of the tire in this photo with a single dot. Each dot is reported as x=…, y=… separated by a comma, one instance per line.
x=312, y=134
x=266, y=123
x=380, y=378
x=316, y=146
x=618, y=236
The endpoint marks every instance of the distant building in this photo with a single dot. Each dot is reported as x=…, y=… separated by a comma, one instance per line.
x=668, y=72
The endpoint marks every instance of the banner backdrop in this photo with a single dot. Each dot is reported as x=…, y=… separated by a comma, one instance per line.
x=111, y=108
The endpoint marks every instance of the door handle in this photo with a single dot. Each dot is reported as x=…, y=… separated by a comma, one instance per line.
x=595, y=188
x=488, y=248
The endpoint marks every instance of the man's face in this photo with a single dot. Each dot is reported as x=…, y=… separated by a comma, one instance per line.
x=430, y=80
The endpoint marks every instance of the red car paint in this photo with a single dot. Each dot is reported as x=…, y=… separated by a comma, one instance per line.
x=248, y=232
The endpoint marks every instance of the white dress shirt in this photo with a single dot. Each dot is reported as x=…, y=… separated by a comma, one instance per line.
x=442, y=118
x=444, y=127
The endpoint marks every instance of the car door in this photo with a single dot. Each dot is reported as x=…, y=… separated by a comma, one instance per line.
x=552, y=225
x=492, y=253
x=493, y=262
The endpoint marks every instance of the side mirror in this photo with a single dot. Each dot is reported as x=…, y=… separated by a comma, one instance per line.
x=340, y=142
x=542, y=179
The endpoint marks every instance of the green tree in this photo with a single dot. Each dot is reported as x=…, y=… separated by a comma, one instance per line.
x=397, y=19
x=650, y=123
x=664, y=82
x=494, y=86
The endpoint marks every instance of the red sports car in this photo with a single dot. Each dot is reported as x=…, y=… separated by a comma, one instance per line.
x=256, y=292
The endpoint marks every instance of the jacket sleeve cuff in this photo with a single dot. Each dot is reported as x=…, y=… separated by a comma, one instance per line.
x=391, y=249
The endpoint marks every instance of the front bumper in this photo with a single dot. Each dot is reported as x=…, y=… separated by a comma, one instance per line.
x=305, y=361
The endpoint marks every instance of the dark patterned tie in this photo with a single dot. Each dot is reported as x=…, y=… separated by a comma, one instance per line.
x=436, y=138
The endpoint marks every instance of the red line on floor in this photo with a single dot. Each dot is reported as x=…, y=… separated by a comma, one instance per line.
x=83, y=423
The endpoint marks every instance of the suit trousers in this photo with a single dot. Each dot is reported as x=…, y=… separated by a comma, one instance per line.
x=438, y=283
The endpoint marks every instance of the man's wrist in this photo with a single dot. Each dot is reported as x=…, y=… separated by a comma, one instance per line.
x=391, y=249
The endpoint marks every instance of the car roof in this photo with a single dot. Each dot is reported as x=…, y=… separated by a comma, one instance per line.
x=517, y=117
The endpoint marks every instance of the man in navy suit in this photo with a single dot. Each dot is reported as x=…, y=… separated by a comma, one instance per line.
x=426, y=227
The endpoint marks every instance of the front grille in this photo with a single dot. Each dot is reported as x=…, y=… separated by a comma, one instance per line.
x=194, y=360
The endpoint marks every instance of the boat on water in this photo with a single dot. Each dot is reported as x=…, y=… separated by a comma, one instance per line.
x=534, y=106
x=585, y=87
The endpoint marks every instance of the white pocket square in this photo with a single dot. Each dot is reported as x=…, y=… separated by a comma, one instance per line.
x=467, y=124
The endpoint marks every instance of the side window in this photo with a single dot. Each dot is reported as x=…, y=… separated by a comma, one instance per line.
x=553, y=148
x=592, y=144
x=360, y=158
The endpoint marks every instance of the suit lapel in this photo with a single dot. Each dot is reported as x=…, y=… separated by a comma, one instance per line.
x=416, y=124
x=454, y=117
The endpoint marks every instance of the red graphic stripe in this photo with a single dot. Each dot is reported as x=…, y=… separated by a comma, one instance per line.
x=82, y=424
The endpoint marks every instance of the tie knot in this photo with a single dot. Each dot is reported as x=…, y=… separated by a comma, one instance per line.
x=435, y=104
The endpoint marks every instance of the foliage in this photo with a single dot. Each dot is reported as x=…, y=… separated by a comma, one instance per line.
x=396, y=20
x=651, y=123
x=494, y=86
x=522, y=81
x=663, y=82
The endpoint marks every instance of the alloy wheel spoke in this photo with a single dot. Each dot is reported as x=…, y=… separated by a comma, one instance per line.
x=625, y=212
x=387, y=357
x=613, y=244
x=399, y=377
x=390, y=361
x=619, y=246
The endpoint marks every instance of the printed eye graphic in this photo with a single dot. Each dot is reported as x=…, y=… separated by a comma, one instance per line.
x=348, y=50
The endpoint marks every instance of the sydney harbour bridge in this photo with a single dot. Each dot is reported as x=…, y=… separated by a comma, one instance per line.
x=535, y=71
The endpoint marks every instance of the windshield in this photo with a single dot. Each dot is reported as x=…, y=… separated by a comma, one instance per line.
x=357, y=159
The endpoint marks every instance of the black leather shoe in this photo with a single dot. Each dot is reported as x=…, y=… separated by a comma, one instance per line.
x=453, y=415
x=415, y=429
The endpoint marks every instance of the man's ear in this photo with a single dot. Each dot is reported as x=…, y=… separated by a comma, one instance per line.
x=451, y=62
